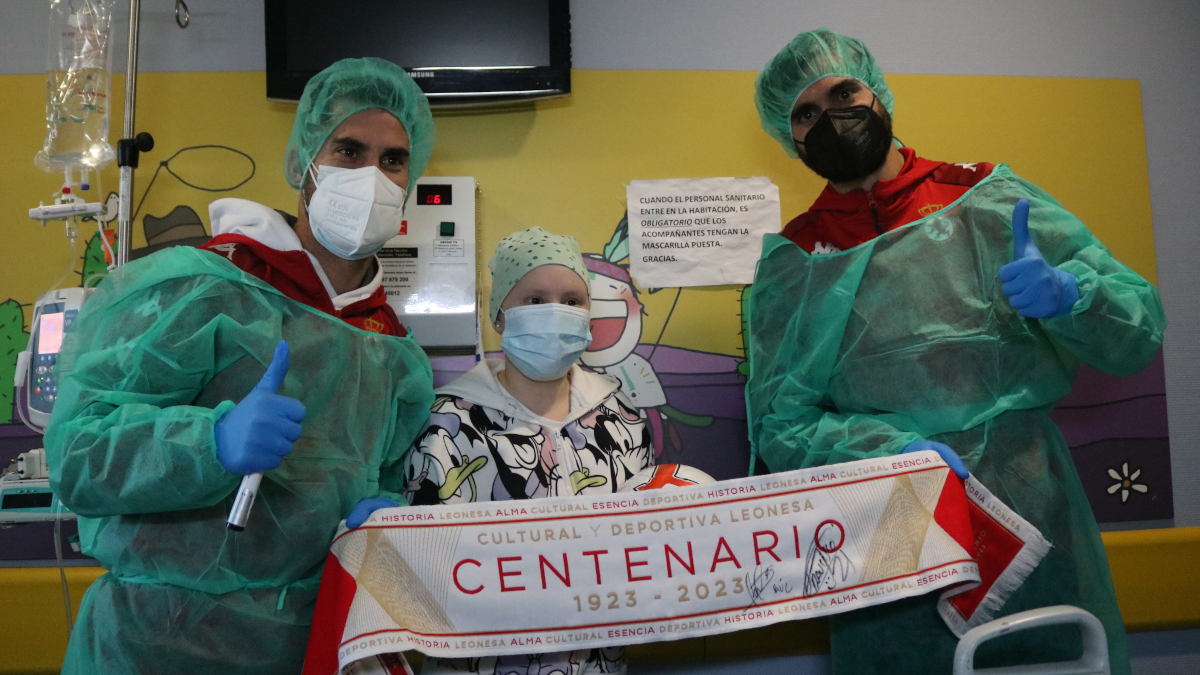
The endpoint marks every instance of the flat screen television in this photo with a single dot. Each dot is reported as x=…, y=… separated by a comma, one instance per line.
x=458, y=51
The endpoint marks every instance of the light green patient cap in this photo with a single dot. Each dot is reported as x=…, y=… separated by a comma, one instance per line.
x=351, y=86
x=810, y=57
x=522, y=251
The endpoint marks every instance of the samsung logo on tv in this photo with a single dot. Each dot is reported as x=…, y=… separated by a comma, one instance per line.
x=420, y=73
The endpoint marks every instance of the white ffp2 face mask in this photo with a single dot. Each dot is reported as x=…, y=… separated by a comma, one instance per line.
x=353, y=212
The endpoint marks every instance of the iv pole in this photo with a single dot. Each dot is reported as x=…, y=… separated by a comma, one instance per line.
x=129, y=147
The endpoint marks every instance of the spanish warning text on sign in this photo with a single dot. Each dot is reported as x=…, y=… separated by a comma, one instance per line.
x=698, y=231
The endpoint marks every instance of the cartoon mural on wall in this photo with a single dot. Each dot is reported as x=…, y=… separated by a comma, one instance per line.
x=1116, y=428
x=618, y=349
x=13, y=338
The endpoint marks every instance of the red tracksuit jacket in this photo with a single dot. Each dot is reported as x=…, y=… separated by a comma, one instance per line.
x=836, y=222
x=292, y=273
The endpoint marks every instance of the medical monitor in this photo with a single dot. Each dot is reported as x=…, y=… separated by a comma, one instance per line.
x=458, y=51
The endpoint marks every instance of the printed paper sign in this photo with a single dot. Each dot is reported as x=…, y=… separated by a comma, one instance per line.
x=566, y=573
x=400, y=271
x=698, y=231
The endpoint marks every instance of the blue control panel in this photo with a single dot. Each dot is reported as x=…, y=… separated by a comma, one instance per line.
x=52, y=323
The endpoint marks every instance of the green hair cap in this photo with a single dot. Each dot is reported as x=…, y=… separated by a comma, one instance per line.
x=520, y=252
x=810, y=57
x=350, y=86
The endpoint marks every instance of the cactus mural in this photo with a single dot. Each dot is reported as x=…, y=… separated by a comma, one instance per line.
x=13, y=338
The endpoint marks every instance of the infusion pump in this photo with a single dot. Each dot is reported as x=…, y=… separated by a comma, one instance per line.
x=429, y=268
x=34, y=375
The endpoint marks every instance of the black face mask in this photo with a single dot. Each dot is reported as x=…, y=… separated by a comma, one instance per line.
x=846, y=144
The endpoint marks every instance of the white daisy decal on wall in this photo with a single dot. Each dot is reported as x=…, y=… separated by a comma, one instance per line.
x=1126, y=482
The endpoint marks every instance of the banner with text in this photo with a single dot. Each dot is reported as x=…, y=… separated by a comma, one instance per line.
x=698, y=231
x=565, y=573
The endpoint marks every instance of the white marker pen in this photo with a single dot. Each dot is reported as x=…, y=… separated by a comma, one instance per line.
x=246, y=493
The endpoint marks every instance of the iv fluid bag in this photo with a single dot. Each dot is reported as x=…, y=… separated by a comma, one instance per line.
x=77, y=86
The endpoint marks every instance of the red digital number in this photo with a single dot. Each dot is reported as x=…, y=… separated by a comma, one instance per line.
x=434, y=199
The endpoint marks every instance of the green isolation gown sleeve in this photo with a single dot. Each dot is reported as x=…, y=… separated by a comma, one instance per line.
x=1117, y=324
x=155, y=357
x=856, y=353
x=130, y=377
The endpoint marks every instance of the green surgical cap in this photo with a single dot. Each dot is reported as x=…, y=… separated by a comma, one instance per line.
x=520, y=252
x=809, y=57
x=348, y=87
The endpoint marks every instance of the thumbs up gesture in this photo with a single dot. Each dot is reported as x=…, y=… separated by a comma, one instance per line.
x=1035, y=288
x=259, y=431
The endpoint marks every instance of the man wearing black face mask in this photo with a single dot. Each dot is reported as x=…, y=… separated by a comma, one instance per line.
x=924, y=305
x=847, y=141
x=842, y=130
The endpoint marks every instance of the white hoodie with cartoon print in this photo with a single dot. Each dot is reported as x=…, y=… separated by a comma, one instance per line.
x=482, y=444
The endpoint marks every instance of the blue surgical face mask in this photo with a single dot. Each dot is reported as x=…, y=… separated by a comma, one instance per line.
x=544, y=341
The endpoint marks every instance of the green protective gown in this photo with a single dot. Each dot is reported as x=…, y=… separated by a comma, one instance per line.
x=908, y=336
x=157, y=355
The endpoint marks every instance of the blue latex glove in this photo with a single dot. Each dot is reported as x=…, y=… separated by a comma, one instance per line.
x=365, y=507
x=1035, y=288
x=257, y=434
x=949, y=456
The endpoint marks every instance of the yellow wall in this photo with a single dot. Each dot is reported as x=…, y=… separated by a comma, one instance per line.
x=33, y=612
x=564, y=164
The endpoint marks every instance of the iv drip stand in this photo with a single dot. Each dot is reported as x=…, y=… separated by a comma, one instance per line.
x=129, y=146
